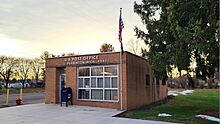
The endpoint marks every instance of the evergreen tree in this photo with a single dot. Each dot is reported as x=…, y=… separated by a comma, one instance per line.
x=184, y=29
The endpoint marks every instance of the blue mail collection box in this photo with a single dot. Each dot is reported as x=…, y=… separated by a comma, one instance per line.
x=66, y=95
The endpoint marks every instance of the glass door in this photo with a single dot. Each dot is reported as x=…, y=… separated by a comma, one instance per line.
x=62, y=83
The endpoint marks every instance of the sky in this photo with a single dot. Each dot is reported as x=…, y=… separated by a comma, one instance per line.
x=30, y=27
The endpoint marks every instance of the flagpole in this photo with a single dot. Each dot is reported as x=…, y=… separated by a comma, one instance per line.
x=121, y=78
x=121, y=72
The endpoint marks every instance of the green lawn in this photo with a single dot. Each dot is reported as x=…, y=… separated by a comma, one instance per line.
x=183, y=108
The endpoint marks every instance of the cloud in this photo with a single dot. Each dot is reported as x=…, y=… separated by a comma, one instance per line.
x=13, y=47
x=58, y=26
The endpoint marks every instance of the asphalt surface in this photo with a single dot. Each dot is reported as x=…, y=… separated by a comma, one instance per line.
x=28, y=98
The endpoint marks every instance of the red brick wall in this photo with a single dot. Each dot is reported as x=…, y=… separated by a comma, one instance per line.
x=138, y=93
x=51, y=95
x=135, y=92
x=71, y=80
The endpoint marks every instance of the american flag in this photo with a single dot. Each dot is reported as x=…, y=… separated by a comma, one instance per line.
x=121, y=26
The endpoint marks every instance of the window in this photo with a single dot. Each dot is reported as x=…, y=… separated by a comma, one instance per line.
x=97, y=94
x=93, y=82
x=110, y=71
x=97, y=71
x=107, y=82
x=86, y=82
x=158, y=81
x=84, y=72
x=111, y=94
x=83, y=94
x=114, y=82
x=80, y=82
x=147, y=80
x=99, y=83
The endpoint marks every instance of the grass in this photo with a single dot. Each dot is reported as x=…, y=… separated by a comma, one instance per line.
x=25, y=90
x=183, y=108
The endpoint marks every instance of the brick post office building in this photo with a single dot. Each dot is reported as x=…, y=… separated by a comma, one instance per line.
x=95, y=80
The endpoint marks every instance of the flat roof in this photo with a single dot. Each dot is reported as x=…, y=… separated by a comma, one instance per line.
x=97, y=54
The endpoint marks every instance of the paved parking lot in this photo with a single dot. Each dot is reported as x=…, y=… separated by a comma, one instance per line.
x=28, y=98
x=54, y=114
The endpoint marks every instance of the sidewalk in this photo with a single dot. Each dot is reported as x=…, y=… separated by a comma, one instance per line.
x=54, y=114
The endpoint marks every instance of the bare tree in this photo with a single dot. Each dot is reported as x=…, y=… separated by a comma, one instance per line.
x=37, y=66
x=23, y=69
x=70, y=54
x=44, y=57
x=7, y=67
x=107, y=48
x=134, y=46
x=64, y=54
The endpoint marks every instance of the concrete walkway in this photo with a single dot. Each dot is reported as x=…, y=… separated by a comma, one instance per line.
x=54, y=114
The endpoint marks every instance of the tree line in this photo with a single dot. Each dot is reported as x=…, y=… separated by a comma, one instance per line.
x=24, y=68
x=20, y=68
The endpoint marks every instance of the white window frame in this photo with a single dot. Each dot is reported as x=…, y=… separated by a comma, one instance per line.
x=103, y=76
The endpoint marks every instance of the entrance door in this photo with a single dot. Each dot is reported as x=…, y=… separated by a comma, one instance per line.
x=62, y=84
